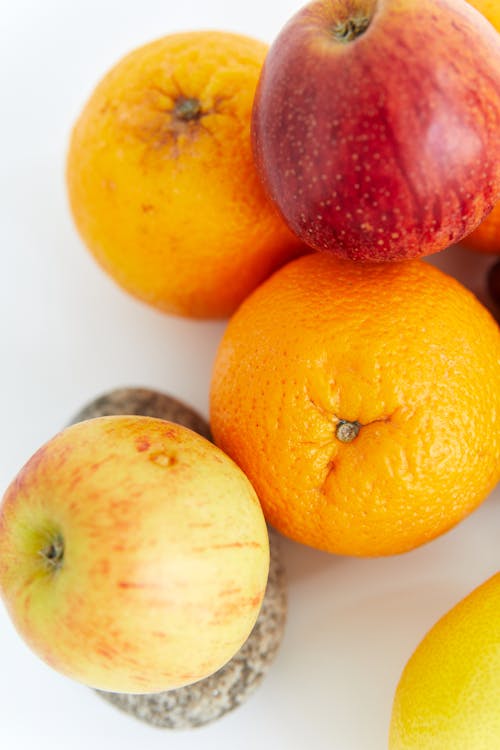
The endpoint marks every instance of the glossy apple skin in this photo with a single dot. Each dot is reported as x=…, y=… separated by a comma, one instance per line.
x=388, y=146
x=165, y=557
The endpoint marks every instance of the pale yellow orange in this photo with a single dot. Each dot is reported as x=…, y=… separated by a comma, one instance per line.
x=161, y=178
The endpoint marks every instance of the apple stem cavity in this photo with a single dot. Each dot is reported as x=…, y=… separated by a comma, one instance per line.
x=53, y=553
x=350, y=29
x=346, y=431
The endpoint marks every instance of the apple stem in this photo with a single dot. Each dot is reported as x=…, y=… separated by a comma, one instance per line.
x=346, y=431
x=348, y=30
x=53, y=553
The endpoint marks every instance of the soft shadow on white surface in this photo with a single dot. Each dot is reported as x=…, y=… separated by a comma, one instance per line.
x=73, y=332
x=68, y=334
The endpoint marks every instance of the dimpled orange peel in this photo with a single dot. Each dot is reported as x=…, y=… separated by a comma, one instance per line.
x=362, y=401
x=161, y=178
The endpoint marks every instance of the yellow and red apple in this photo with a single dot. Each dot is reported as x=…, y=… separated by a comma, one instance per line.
x=376, y=125
x=133, y=554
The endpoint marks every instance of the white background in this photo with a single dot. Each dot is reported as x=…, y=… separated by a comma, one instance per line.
x=68, y=334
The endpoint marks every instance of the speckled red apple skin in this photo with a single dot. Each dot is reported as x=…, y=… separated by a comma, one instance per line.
x=386, y=147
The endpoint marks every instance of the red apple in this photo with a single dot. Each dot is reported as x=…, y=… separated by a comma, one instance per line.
x=133, y=554
x=376, y=125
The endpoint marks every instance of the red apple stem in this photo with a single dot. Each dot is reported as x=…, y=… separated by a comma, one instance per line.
x=350, y=29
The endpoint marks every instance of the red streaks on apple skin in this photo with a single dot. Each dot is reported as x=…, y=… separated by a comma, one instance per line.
x=140, y=679
x=231, y=592
x=76, y=478
x=233, y=608
x=8, y=502
x=229, y=545
x=142, y=444
x=386, y=147
x=137, y=585
x=29, y=473
x=171, y=433
x=112, y=655
x=104, y=652
x=256, y=600
x=102, y=567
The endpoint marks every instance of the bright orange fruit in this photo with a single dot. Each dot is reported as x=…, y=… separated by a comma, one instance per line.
x=362, y=401
x=161, y=177
x=486, y=238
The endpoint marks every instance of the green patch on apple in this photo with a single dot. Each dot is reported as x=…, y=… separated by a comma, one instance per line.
x=127, y=573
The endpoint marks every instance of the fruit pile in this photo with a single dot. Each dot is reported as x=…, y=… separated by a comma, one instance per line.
x=355, y=396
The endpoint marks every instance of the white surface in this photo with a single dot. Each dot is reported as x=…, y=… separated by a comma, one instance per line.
x=68, y=334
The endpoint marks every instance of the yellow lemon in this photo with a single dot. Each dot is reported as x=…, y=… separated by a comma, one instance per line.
x=448, y=697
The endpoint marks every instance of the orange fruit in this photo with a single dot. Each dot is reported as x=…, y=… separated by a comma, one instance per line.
x=362, y=402
x=449, y=692
x=161, y=178
x=486, y=238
